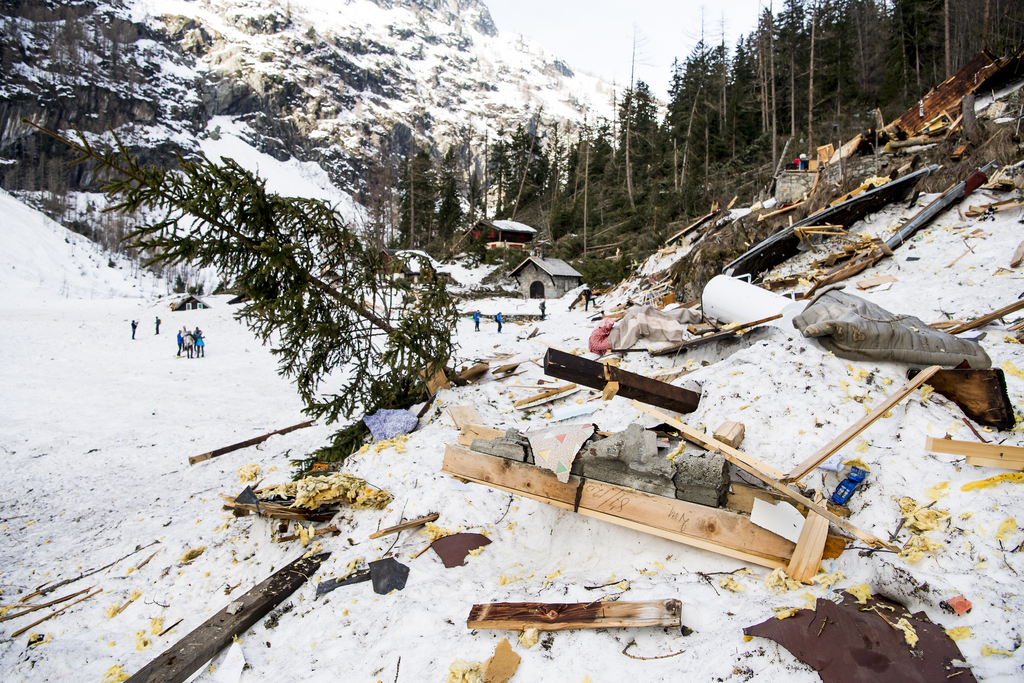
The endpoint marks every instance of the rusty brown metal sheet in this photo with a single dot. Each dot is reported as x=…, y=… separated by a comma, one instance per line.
x=946, y=96
x=853, y=643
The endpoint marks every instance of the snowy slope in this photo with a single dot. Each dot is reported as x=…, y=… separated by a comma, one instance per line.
x=97, y=429
x=43, y=260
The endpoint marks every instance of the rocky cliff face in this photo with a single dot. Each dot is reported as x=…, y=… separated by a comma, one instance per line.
x=343, y=84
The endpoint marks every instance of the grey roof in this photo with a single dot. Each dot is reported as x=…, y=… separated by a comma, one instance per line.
x=551, y=266
x=513, y=226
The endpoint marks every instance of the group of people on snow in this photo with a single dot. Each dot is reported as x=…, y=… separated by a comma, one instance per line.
x=192, y=343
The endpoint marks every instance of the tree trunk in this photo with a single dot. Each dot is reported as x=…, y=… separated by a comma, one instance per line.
x=689, y=128
x=586, y=188
x=629, y=121
x=971, y=129
x=984, y=26
x=675, y=163
x=810, y=91
x=949, y=67
x=412, y=201
x=775, y=127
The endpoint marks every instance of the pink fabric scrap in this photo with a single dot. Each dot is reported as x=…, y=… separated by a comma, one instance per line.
x=599, y=337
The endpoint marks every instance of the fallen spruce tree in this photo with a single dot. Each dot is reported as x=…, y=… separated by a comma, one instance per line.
x=323, y=299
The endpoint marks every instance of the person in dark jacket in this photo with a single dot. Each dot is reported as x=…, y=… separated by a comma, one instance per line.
x=587, y=294
x=158, y=324
x=498, y=318
x=134, y=325
x=543, y=308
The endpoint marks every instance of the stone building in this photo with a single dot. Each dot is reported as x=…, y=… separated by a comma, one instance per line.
x=545, y=278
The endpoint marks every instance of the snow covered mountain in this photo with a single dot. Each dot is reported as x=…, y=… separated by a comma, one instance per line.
x=344, y=84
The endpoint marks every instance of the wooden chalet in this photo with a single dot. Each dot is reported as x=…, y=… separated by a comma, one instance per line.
x=497, y=234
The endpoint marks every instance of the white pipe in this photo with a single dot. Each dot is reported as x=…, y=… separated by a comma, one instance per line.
x=733, y=301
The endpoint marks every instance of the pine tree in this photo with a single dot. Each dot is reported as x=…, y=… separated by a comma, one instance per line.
x=322, y=297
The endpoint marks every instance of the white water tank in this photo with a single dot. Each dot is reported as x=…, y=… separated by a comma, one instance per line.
x=733, y=300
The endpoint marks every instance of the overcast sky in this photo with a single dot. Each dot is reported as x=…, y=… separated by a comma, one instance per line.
x=596, y=36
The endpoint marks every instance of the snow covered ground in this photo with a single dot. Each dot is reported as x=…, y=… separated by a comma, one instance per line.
x=96, y=430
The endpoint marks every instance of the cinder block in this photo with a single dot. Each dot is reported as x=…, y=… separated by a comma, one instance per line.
x=702, y=478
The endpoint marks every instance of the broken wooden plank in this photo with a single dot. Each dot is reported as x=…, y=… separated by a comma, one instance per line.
x=979, y=392
x=544, y=395
x=875, y=281
x=28, y=609
x=464, y=415
x=826, y=451
x=471, y=431
x=724, y=334
x=809, y=547
x=332, y=530
x=516, y=616
x=632, y=386
x=251, y=442
x=760, y=470
x=980, y=454
x=55, y=613
x=411, y=524
x=721, y=531
x=986, y=319
x=186, y=656
x=474, y=373
x=1018, y=256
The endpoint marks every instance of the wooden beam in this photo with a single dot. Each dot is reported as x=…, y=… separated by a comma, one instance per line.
x=251, y=442
x=186, y=656
x=986, y=319
x=631, y=386
x=721, y=531
x=809, y=547
x=828, y=450
x=762, y=472
x=516, y=616
x=980, y=454
x=411, y=524
x=471, y=431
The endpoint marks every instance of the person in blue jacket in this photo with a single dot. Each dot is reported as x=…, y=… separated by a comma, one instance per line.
x=181, y=343
x=200, y=344
x=498, y=318
x=476, y=321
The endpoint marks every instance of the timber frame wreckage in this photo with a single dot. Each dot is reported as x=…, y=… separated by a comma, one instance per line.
x=690, y=496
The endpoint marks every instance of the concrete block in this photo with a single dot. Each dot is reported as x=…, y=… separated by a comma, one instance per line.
x=513, y=446
x=629, y=458
x=702, y=478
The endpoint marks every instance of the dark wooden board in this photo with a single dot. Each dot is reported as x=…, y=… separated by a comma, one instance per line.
x=558, y=616
x=979, y=392
x=186, y=656
x=595, y=375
